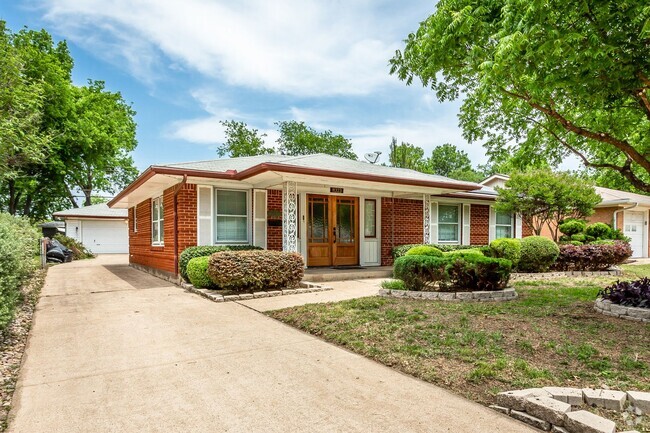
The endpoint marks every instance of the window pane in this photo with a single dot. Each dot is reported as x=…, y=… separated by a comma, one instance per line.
x=504, y=218
x=447, y=214
x=369, y=218
x=447, y=232
x=154, y=215
x=231, y=202
x=154, y=232
x=503, y=232
x=161, y=228
x=161, y=211
x=231, y=229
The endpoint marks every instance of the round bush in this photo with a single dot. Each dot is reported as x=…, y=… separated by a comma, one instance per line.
x=599, y=231
x=197, y=272
x=424, y=250
x=506, y=248
x=580, y=237
x=478, y=273
x=537, y=254
x=420, y=272
x=206, y=251
x=572, y=227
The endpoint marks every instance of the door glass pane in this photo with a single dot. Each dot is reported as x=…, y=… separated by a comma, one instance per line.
x=231, y=229
x=317, y=230
x=231, y=202
x=448, y=232
x=447, y=214
x=369, y=218
x=345, y=222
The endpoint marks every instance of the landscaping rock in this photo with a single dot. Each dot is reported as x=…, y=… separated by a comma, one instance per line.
x=231, y=298
x=383, y=292
x=464, y=295
x=557, y=429
x=260, y=294
x=246, y=296
x=446, y=296
x=639, y=313
x=289, y=292
x=548, y=409
x=613, y=400
x=517, y=399
x=482, y=295
x=274, y=292
x=618, y=309
x=501, y=409
x=531, y=420
x=572, y=396
x=583, y=421
x=430, y=295
x=640, y=400
x=216, y=298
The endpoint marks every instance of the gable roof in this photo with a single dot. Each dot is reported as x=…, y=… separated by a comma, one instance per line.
x=99, y=211
x=613, y=197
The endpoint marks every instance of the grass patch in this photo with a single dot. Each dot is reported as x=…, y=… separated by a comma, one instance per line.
x=549, y=336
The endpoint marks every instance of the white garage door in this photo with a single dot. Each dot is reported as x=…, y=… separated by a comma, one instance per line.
x=105, y=236
x=634, y=230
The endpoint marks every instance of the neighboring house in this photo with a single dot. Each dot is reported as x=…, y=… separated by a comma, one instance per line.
x=101, y=229
x=624, y=210
x=333, y=211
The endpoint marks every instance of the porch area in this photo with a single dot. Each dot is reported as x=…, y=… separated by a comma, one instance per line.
x=324, y=274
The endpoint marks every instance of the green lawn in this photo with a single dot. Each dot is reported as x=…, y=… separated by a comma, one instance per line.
x=549, y=336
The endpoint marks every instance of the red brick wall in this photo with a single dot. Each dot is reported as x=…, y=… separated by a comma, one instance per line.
x=274, y=234
x=402, y=222
x=162, y=257
x=479, y=233
x=606, y=215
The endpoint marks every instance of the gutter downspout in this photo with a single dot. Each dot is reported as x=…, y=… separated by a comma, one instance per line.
x=177, y=189
x=622, y=210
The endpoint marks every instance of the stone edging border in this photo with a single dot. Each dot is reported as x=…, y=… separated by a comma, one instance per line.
x=209, y=294
x=630, y=313
x=553, y=408
x=483, y=296
x=564, y=274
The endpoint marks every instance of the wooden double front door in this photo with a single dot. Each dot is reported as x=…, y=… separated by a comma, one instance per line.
x=332, y=230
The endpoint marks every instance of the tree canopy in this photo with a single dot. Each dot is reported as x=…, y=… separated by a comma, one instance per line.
x=543, y=80
x=242, y=141
x=296, y=138
x=57, y=140
x=405, y=155
x=543, y=197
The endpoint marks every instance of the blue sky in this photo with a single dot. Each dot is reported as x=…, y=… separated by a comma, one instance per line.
x=187, y=64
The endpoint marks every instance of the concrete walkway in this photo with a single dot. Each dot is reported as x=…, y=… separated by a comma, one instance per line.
x=116, y=350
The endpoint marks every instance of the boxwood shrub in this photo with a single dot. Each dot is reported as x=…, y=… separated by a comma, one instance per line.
x=424, y=250
x=598, y=231
x=204, y=251
x=593, y=257
x=421, y=272
x=628, y=293
x=197, y=273
x=401, y=250
x=478, y=273
x=506, y=248
x=256, y=270
x=537, y=254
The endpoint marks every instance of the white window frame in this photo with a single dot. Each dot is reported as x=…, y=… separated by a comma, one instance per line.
x=135, y=219
x=497, y=225
x=458, y=224
x=216, y=216
x=160, y=241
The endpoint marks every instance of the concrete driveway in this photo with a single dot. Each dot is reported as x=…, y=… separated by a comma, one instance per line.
x=116, y=350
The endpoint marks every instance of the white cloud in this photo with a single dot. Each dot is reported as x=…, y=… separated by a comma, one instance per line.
x=306, y=48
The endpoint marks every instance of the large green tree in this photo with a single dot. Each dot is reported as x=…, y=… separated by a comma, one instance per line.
x=242, y=141
x=543, y=79
x=405, y=155
x=544, y=198
x=296, y=138
x=447, y=160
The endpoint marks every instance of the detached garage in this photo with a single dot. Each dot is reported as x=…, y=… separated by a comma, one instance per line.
x=101, y=229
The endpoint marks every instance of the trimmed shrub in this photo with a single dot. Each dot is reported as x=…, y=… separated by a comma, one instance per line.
x=537, y=254
x=197, y=272
x=205, y=251
x=592, y=257
x=19, y=249
x=506, y=248
x=79, y=251
x=470, y=252
x=598, y=231
x=628, y=293
x=478, y=273
x=572, y=227
x=424, y=250
x=603, y=242
x=580, y=237
x=256, y=270
x=401, y=250
x=421, y=272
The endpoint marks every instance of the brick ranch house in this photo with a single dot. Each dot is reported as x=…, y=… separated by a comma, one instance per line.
x=624, y=210
x=333, y=211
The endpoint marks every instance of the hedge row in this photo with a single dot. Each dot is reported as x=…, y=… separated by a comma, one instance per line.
x=19, y=249
x=592, y=257
x=205, y=251
x=401, y=250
